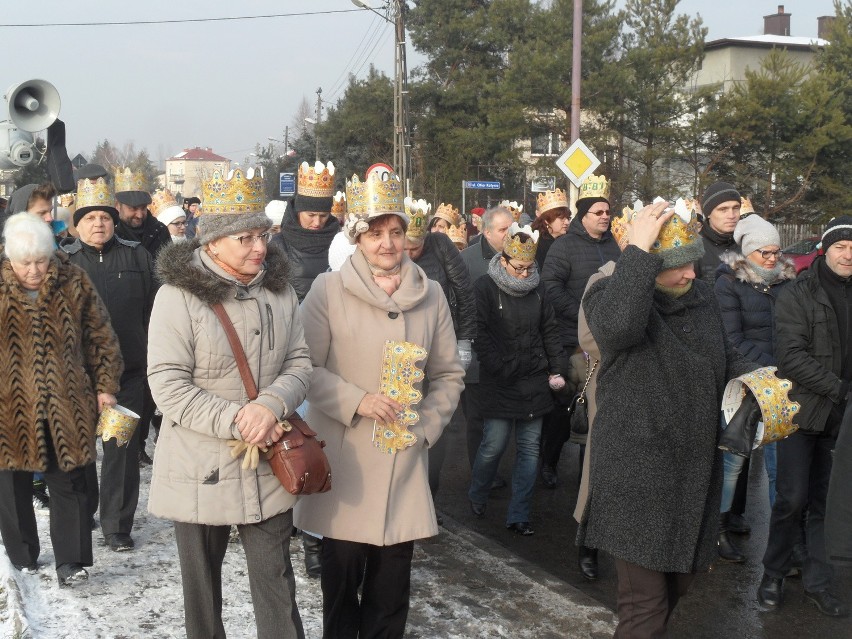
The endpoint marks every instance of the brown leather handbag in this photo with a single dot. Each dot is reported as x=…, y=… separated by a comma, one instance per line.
x=297, y=459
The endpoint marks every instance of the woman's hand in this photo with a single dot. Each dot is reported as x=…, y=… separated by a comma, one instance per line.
x=645, y=227
x=104, y=400
x=376, y=406
x=257, y=425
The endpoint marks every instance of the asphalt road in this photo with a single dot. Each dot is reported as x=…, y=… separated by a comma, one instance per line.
x=720, y=604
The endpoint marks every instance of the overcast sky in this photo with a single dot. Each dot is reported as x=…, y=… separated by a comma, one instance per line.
x=230, y=84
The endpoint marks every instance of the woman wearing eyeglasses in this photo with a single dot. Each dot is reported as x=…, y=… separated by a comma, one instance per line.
x=200, y=481
x=174, y=218
x=521, y=358
x=747, y=284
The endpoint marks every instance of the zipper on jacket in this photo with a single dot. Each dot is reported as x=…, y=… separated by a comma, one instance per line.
x=271, y=328
x=101, y=257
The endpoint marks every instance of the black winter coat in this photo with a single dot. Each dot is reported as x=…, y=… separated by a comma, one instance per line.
x=808, y=350
x=442, y=262
x=476, y=258
x=715, y=246
x=655, y=473
x=518, y=345
x=570, y=262
x=123, y=274
x=748, y=306
x=153, y=234
x=307, y=250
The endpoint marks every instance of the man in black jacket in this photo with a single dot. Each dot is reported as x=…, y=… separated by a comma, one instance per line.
x=814, y=350
x=136, y=224
x=720, y=205
x=495, y=225
x=122, y=273
x=571, y=261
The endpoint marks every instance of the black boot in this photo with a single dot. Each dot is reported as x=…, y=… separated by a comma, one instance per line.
x=587, y=560
x=313, y=563
x=728, y=551
x=770, y=593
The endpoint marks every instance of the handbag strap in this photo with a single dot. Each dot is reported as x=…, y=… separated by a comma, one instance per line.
x=589, y=378
x=239, y=353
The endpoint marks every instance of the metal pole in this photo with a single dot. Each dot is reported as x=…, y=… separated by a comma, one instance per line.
x=464, y=205
x=576, y=77
x=286, y=141
x=402, y=144
x=316, y=126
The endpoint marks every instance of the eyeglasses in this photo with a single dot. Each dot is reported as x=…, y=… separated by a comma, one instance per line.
x=177, y=223
x=600, y=213
x=251, y=240
x=520, y=270
x=767, y=254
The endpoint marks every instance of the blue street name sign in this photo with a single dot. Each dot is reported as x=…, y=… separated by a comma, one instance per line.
x=476, y=184
x=287, y=186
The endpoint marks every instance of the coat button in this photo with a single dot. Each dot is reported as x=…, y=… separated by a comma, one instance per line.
x=687, y=329
x=256, y=332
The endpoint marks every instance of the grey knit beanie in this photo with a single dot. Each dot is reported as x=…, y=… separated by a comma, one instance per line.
x=212, y=226
x=680, y=255
x=753, y=233
x=717, y=193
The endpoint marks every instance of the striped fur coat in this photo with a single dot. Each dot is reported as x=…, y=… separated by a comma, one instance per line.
x=57, y=352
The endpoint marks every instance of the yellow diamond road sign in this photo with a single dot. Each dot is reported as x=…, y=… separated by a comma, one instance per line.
x=578, y=162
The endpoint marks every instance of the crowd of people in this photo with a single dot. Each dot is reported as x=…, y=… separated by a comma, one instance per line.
x=380, y=322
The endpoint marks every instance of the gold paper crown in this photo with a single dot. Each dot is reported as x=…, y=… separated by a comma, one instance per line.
x=680, y=230
x=94, y=193
x=237, y=193
x=316, y=180
x=418, y=218
x=594, y=186
x=458, y=234
x=551, y=200
x=448, y=213
x=67, y=200
x=127, y=180
x=746, y=207
x=514, y=208
x=160, y=201
x=515, y=248
x=338, y=203
x=771, y=393
x=374, y=196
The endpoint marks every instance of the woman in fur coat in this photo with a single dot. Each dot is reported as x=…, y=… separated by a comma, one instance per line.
x=62, y=364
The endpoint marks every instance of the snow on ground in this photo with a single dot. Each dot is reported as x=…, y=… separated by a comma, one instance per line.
x=459, y=590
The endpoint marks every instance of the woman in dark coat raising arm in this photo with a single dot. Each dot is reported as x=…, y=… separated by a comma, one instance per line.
x=655, y=469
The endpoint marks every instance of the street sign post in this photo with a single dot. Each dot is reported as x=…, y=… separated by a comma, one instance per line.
x=478, y=184
x=578, y=162
x=287, y=184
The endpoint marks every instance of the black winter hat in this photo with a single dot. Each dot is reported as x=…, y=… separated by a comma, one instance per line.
x=840, y=228
x=585, y=203
x=716, y=194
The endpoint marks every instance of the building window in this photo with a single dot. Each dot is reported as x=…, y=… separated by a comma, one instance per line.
x=543, y=142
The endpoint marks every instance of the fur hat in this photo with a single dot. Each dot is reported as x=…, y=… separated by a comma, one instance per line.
x=753, y=233
x=840, y=228
x=232, y=204
x=717, y=193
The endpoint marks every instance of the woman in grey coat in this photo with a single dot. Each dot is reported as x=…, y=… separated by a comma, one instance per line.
x=655, y=469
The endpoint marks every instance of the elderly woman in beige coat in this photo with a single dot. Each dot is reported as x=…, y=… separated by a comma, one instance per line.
x=380, y=501
x=197, y=480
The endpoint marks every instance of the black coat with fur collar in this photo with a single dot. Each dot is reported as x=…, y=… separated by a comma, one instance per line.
x=748, y=306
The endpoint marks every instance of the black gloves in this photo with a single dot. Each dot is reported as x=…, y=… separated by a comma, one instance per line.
x=738, y=437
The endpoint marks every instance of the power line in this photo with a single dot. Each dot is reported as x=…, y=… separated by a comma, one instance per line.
x=178, y=21
x=362, y=54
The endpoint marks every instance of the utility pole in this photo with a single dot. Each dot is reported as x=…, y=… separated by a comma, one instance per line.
x=286, y=141
x=316, y=126
x=401, y=143
x=576, y=73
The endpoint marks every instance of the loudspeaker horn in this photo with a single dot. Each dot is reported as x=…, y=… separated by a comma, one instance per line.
x=33, y=105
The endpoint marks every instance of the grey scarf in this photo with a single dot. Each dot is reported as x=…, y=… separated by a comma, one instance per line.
x=768, y=275
x=514, y=286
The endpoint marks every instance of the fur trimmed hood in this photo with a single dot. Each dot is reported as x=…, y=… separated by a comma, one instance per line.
x=181, y=265
x=739, y=267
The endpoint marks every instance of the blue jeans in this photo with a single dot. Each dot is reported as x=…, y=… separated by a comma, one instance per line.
x=733, y=466
x=495, y=438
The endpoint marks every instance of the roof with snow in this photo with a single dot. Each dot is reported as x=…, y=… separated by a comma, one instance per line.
x=769, y=41
x=198, y=153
